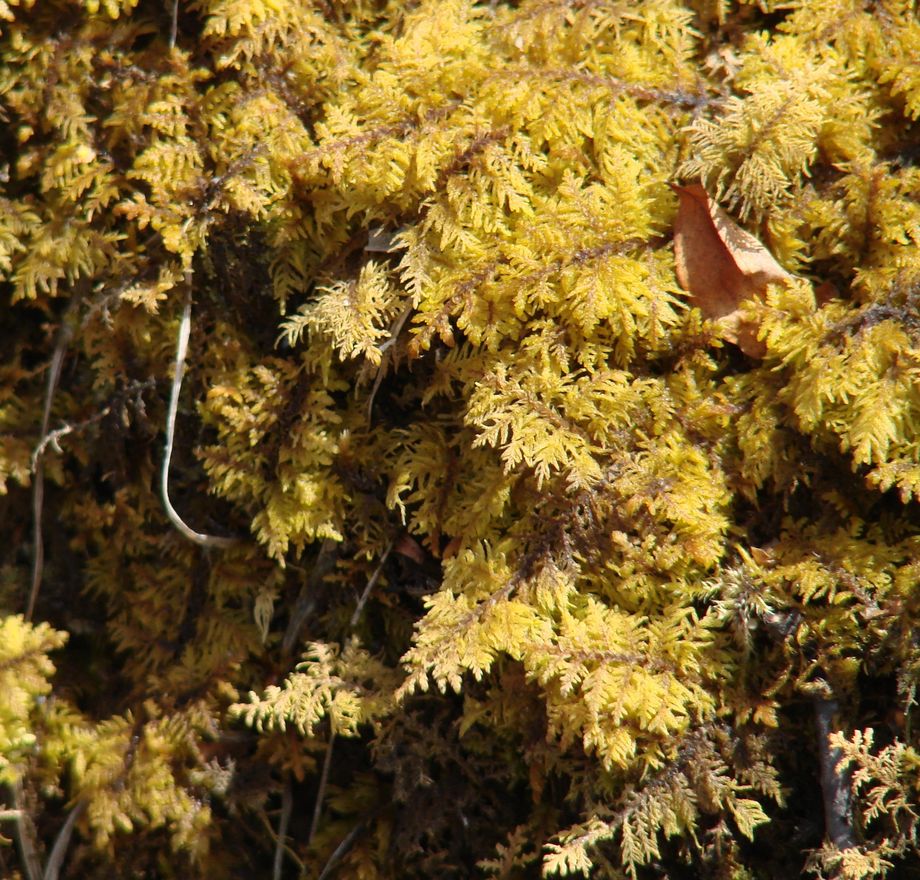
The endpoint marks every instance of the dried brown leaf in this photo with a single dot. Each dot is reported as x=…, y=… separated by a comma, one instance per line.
x=407, y=546
x=721, y=265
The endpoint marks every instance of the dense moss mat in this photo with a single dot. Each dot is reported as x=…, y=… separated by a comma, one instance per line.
x=484, y=550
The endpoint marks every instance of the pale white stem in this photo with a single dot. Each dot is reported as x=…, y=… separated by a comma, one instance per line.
x=181, y=350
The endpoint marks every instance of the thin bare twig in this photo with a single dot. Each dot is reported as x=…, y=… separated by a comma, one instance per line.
x=321, y=791
x=306, y=599
x=287, y=803
x=174, y=25
x=327, y=761
x=59, y=850
x=263, y=818
x=370, y=585
x=38, y=468
x=395, y=330
x=52, y=437
x=323, y=563
x=340, y=851
x=181, y=350
x=25, y=835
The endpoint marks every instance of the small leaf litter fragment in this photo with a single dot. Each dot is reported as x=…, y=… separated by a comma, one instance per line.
x=721, y=265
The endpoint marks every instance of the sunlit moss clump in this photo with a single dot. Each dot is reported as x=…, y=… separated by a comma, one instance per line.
x=484, y=552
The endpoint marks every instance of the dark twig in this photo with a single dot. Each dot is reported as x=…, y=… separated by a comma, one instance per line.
x=340, y=851
x=372, y=582
x=263, y=818
x=38, y=468
x=306, y=600
x=321, y=791
x=835, y=783
x=327, y=761
x=287, y=802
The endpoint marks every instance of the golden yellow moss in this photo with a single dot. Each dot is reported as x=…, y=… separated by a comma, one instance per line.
x=559, y=566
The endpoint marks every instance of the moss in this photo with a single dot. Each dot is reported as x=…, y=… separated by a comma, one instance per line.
x=523, y=565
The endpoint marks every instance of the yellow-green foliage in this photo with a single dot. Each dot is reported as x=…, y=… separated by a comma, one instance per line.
x=24, y=673
x=328, y=684
x=529, y=571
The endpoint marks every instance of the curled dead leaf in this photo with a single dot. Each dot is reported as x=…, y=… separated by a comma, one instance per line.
x=721, y=265
x=407, y=546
